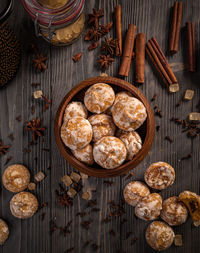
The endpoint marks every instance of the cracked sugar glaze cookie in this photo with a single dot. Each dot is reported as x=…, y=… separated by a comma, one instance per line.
x=75, y=109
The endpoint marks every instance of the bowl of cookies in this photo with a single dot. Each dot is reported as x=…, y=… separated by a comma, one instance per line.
x=104, y=127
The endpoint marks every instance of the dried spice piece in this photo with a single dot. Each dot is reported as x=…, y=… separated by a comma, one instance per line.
x=106, y=220
x=94, y=17
x=31, y=186
x=128, y=235
x=186, y=157
x=35, y=85
x=86, y=224
x=34, y=126
x=71, y=193
x=157, y=128
x=39, y=62
x=131, y=174
x=95, y=246
x=53, y=226
x=105, y=29
x=105, y=61
x=87, y=243
x=140, y=57
x=108, y=46
x=158, y=112
x=37, y=94
x=3, y=148
x=8, y=160
x=178, y=240
x=39, y=176
x=75, y=177
x=48, y=102
x=118, y=19
x=133, y=241
x=32, y=109
x=27, y=150
x=175, y=27
x=95, y=209
x=42, y=216
x=63, y=198
x=77, y=57
x=69, y=250
x=154, y=97
x=189, y=94
x=78, y=186
x=66, y=180
x=11, y=136
x=109, y=183
x=93, y=34
x=93, y=46
x=168, y=138
x=190, y=33
x=116, y=210
x=92, y=203
x=179, y=102
x=112, y=232
x=81, y=214
x=123, y=221
x=19, y=118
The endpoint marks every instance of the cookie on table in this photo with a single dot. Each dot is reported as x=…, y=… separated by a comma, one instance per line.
x=173, y=211
x=16, y=178
x=75, y=109
x=76, y=133
x=129, y=113
x=149, y=207
x=134, y=192
x=4, y=231
x=85, y=154
x=159, y=235
x=23, y=205
x=102, y=125
x=159, y=175
x=99, y=97
x=132, y=142
x=109, y=152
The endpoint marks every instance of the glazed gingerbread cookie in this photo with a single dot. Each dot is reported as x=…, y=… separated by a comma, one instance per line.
x=85, y=154
x=75, y=109
x=4, y=232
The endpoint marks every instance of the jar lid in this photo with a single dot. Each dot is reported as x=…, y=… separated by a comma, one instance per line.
x=6, y=7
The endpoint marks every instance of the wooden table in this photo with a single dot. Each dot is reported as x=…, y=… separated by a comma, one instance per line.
x=32, y=235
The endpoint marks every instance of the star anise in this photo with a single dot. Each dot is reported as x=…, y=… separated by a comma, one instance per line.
x=39, y=62
x=106, y=28
x=93, y=45
x=34, y=126
x=93, y=34
x=94, y=17
x=3, y=148
x=105, y=61
x=109, y=46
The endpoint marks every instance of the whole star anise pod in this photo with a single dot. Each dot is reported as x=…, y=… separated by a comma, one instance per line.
x=106, y=28
x=34, y=126
x=3, y=148
x=93, y=34
x=109, y=46
x=39, y=62
x=105, y=61
x=94, y=17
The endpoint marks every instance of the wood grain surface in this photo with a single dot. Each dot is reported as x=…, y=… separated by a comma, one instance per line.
x=32, y=235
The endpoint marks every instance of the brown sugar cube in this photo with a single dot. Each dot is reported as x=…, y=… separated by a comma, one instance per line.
x=75, y=177
x=39, y=176
x=66, y=180
x=194, y=116
x=174, y=87
x=37, y=94
x=178, y=240
x=189, y=94
x=86, y=195
x=71, y=192
x=32, y=186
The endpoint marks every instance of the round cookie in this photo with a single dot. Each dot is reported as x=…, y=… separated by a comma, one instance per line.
x=149, y=207
x=159, y=175
x=4, y=232
x=134, y=192
x=109, y=152
x=174, y=212
x=129, y=113
x=16, y=178
x=159, y=235
x=85, y=154
x=75, y=109
x=132, y=142
x=102, y=125
x=99, y=97
x=23, y=205
x=76, y=133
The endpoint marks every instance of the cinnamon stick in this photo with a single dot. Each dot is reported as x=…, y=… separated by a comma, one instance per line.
x=140, y=57
x=160, y=62
x=128, y=51
x=118, y=18
x=190, y=31
x=175, y=27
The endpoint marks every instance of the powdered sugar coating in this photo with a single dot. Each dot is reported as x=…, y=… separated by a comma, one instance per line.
x=85, y=154
x=159, y=175
x=76, y=133
x=149, y=207
x=99, y=97
x=132, y=142
x=174, y=212
x=23, y=205
x=102, y=125
x=16, y=178
x=159, y=235
x=134, y=192
x=109, y=152
x=129, y=113
x=75, y=109
x=4, y=232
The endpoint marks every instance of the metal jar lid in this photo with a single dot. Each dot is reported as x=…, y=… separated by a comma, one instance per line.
x=6, y=7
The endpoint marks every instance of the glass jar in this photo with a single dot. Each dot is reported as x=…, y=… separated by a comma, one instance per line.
x=58, y=24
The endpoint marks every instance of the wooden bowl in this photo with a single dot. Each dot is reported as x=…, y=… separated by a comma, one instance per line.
x=146, y=131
